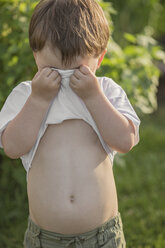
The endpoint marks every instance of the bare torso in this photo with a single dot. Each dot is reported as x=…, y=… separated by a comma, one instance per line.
x=71, y=187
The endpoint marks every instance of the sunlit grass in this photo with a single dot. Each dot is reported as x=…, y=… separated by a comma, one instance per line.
x=141, y=185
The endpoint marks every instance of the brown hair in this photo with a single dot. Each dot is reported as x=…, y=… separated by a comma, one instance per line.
x=75, y=27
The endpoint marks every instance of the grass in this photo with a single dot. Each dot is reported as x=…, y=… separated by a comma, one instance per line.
x=140, y=184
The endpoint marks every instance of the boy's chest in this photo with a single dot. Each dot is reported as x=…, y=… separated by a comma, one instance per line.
x=68, y=149
x=67, y=137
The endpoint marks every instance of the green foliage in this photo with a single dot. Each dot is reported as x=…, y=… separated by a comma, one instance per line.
x=133, y=67
x=140, y=185
x=133, y=16
x=16, y=59
x=13, y=204
x=132, y=60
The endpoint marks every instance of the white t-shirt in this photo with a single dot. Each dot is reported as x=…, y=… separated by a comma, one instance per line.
x=66, y=105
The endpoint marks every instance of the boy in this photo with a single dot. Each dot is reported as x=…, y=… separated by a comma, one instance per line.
x=66, y=125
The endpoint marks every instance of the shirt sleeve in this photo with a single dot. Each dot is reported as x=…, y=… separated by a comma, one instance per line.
x=118, y=98
x=13, y=104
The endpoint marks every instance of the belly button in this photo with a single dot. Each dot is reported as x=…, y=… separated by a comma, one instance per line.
x=72, y=198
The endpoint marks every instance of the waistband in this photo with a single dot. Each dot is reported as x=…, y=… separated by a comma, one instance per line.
x=102, y=232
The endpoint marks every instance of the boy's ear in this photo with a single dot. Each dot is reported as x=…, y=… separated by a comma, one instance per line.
x=100, y=59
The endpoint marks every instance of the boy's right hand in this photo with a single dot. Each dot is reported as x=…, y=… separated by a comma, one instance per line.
x=46, y=84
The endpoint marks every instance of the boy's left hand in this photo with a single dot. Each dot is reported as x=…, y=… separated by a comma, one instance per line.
x=84, y=83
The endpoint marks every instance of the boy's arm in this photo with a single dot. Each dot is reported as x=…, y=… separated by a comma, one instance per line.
x=21, y=133
x=117, y=131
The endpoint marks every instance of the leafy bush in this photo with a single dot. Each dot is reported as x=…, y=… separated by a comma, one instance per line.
x=16, y=60
x=133, y=63
x=133, y=67
x=134, y=16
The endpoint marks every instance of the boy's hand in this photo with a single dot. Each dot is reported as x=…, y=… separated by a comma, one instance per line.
x=46, y=84
x=84, y=83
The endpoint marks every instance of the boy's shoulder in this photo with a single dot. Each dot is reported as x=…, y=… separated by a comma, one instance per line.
x=19, y=94
x=108, y=82
x=24, y=86
x=110, y=87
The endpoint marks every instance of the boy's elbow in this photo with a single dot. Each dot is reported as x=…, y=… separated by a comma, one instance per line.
x=9, y=153
x=8, y=149
x=12, y=150
x=128, y=138
x=128, y=144
x=126, y=149
x=123, y=145
x=13, y=154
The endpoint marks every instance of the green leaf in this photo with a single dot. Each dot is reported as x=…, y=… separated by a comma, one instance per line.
x=130, y=37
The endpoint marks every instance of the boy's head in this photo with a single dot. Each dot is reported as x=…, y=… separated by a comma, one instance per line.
x=73, y=27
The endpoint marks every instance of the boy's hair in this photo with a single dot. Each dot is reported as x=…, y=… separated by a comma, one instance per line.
x=75, y=27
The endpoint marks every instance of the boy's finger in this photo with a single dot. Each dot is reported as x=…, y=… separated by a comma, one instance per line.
x=37, y=74
x=77, y=74
x=73, y=81
x=84, y=69
x=56, y=78
x=54, y=74
x=45, y=72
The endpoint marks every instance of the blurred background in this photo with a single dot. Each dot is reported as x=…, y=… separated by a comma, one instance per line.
x=135, y=60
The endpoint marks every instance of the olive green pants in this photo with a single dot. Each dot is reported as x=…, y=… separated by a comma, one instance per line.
x=108, y=235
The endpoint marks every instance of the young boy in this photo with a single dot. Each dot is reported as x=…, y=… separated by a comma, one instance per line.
x=66, y=125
